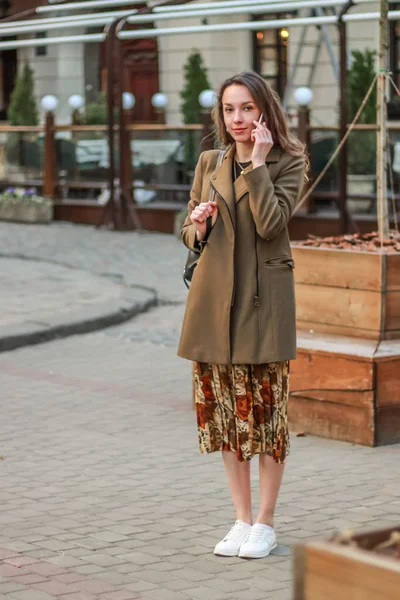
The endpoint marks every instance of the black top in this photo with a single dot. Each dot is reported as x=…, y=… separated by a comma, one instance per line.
x=237, y=169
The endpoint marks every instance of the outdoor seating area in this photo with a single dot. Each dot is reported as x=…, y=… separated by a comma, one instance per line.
x=162, y=170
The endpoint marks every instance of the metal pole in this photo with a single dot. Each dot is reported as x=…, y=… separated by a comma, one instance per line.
x=234, y=26
x=68, y=23
x=274, y=6
x=342, y=182
x=128, y=212
x=296, y=62
x=381, y=140
x=328, y=44
x=49, y=157
x=82, y=19
x=111, y=206
x=304, y=136
x=82, y=5
x=114, y=75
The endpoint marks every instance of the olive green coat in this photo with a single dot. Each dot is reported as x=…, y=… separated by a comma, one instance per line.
x=241, y=304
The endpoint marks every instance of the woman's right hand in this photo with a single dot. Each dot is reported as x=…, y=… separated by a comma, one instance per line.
x=200, y=214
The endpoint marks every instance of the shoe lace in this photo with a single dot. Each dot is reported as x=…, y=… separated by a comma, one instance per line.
x=255, y=534
x=234, y=533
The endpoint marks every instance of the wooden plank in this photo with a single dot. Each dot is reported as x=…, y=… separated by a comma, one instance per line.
x=392, y=334
x=334, y=572
x=312, y=371
x=388, y=425
x=299, y=571
x=335, y=421
x=388, y=382
x=162, y=220
x=345, y=397
x=393, y=272
x=349, y=309
x=392, y=317
x=337, y=268
x=326, y=587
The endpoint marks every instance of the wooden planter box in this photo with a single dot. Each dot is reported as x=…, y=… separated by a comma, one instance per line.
x=26, y=213
x=330, y=571
x=346, y=389
x=344, y=292
x=345, y=382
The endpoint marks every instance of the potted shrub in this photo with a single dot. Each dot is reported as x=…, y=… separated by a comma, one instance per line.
x=196, y=80
x=25, y=205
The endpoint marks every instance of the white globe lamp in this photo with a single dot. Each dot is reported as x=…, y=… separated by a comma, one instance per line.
x=159, y=101
x=49, y=103
x=128, y=100
x=76, y=101
x=303, y=96
x=207, y=99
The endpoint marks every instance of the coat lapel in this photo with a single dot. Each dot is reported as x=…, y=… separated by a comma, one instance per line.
x=223, y=184
x=240, y=186
x=229, y=192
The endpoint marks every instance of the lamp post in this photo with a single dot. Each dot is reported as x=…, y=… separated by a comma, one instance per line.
x=76, y=101
x=303, y=96
x=207, y=100
x=49, y=104
x=160, y=102
x=128, y=101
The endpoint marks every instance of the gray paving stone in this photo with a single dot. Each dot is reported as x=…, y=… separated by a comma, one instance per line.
x=101, y=465
x=31, y=594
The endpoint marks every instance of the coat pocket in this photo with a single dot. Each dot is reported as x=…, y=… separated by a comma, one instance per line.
x=279, y=261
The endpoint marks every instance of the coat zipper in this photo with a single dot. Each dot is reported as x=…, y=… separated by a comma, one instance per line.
x=257, y=296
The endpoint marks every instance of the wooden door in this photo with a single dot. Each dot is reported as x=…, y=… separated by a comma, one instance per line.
x=140, y=76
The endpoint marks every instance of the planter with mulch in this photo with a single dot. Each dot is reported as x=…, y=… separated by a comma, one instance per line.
x=363, y=566
x=346, y=379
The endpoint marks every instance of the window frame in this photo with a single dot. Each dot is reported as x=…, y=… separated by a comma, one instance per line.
x=281, y=48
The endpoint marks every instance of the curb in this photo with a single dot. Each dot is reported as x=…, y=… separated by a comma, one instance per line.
x=134, y=300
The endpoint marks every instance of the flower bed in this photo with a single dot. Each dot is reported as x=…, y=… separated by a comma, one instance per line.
x=25, y=206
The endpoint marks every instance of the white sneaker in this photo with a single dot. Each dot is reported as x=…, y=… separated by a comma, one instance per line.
x=260, y=541
x=232, y=542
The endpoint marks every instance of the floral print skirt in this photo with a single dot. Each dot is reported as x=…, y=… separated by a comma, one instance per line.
x=243, y=409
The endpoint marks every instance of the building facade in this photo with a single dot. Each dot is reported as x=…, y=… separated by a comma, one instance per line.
x=288, y=57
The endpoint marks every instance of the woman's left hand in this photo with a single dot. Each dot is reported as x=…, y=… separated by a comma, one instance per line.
x=263, y=142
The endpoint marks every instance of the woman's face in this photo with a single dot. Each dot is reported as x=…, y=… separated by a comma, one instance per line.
x=239, y=111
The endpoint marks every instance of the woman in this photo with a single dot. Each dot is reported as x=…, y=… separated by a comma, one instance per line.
x=239, y=325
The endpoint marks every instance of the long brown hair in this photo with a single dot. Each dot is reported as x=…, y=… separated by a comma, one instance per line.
x=268, y=101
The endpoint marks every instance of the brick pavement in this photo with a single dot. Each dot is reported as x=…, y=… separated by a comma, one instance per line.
x=42, y=298
x=148, y=259
x=104, y=495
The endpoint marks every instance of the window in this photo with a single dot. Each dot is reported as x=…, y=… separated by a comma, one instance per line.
x=41, y=50
x=270, y=54
x=394, y=45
